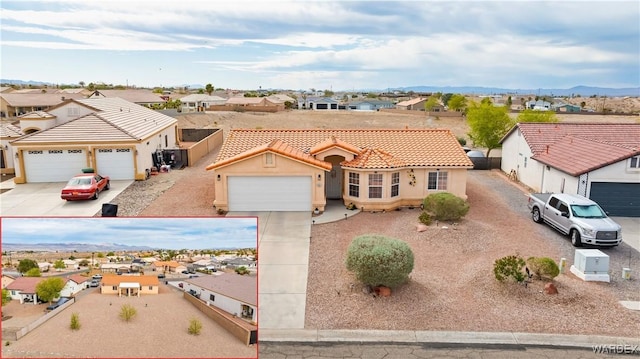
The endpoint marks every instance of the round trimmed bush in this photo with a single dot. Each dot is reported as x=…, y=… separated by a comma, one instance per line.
x=543, y=267
x=380, y=260
x=445, y=206
x=425, y=218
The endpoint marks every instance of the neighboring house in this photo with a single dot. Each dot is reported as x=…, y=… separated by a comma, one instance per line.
x=144, y=98
x=539, y=105
x=129, y=286
x=169, y=266
x=282, y=98
x=115, y=137
x=14, y=104
x=319, y=103
x=115, y=268
x=8, y=132
x=74, y=285
x=70, y=263
x=235, y=294
x=7, y=279
x=299, y=170
x=598, y=161
x=44, y=266
x=240, y=262
x=23, y=289
x=370, y=105
x=414, y=104
x=199, y=102
x=567, y=107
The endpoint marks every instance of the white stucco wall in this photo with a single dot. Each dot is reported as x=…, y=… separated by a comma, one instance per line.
x=616, y=172
x=516, y=155
x=229, y=305
x=69, y=112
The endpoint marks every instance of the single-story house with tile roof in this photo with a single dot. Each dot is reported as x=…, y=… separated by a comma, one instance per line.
x=140, y=97
x=75, y=284
x=14, y=104
x=23, y=289
x=600, y=161
x=169, y=266
x=415, y=104
x=115, y=137
x=7, y=279
x=370, y=105
x=199, y=102
x=129, y=285
x=299, y=170
x=8, y=132
x=235, y=294
x=318, y=103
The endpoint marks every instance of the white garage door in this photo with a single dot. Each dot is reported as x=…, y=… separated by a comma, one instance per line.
x=53, y=165
x=274, y=193
x=115, y=163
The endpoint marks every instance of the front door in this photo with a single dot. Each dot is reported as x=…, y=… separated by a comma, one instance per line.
x=333, y=179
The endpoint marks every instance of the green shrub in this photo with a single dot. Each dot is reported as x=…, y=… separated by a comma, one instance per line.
x=509, y=266
x=75, y=321
x=425, y=218
x=242, y=270
x=543, y=267
x=379, y=260
x=127, y=312
x=195, y=326
x=462, y=141
x=445, y=206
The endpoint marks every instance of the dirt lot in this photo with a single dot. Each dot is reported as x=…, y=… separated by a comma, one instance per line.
x=158, y=330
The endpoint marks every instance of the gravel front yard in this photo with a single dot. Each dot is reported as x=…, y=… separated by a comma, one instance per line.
x=452, y=286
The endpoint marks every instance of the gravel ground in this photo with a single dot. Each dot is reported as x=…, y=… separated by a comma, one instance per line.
x=452, y=285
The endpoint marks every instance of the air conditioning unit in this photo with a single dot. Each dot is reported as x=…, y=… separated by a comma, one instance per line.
x=591, y=265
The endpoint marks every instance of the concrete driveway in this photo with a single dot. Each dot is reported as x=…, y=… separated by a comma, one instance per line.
x=630, y=231
x=283, y=244
x=43, y=199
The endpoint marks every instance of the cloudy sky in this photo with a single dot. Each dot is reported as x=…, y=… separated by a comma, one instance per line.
x=166, y=233
x=338, y=45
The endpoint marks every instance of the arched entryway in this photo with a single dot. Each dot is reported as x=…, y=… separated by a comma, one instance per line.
x=333, y=180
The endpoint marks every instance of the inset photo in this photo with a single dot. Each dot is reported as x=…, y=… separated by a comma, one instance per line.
x=129, y=287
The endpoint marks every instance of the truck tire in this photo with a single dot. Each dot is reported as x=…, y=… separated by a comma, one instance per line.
x=535, y=215
x=575, y=238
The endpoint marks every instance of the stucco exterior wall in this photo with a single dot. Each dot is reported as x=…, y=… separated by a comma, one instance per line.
x=554, y=181
x=69, y=112
x=8, y=155
x=616, y=172
x=516, y=155
x=228, y=304
x=29, y=124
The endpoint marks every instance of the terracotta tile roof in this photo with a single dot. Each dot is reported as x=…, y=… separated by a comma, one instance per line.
x=172, y=264
x=333, y=142
x=374, y=158
x=240, y=287
x=414, y=148
x=135, y=96
x=37, y=99
x=144, y=280
x=78, y=278
x=577, y=148
x=413, y=101
x=28, y=284
x=275, y=146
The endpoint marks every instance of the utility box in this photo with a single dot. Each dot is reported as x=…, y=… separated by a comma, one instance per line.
x=591, y=265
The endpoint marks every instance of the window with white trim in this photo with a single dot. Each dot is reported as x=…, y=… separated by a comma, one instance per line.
x=354, y=184
x=395, y=184
x=375, y=185
x=634, y=162
x=437, y=181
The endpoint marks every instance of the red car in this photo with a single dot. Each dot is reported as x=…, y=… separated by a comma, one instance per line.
x=85, y=186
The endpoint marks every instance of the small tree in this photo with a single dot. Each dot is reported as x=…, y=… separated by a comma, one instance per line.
x=537, y=116
x=445, y=206
x=379, y=260
x=127, y=312
x=242, y=270
x=25, y=264
x=509, y=267
x=195, y=326
x=488, y=124
x=543, y=267
x=457, y=103
x=50, y=288
x=59, y=264
x=6, y=297
x=209, y=88
x=33, y=272
x=75, y=322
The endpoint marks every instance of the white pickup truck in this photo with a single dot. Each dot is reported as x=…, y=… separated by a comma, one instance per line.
x=579, y=217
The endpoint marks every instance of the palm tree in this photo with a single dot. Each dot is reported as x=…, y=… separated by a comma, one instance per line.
x=209, y=88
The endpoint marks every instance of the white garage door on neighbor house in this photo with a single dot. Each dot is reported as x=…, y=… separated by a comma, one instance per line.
x=53, y=165
x=115, y=163
x=269, y=193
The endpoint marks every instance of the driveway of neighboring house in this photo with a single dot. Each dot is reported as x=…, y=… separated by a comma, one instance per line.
x=43, y=199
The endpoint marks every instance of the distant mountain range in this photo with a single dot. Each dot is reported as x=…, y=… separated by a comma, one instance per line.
x=583, y=91
x=70, y=247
